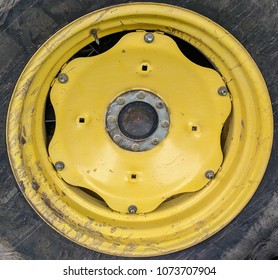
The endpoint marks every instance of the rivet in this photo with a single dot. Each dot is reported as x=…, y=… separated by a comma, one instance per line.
x=210, y=174
x=110, y=119
x=63, y=78
x=222, y=91
x=141, y=94
x=132, y=209
x=59, y=166
x=149, y=37
x=155, y=141
x=117, y=138
x=120, y=101
x=165, y=124
x=135, y=147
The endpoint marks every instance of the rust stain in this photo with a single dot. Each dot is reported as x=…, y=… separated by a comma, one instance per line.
x=91, y=219
x=48, y=203
x=130, y=248
x=98, y=238
x=22, y=140
x=242, y=128
x=21, y=186
x=35, y=186
x=38, y=165
x=24, y=131
x=113, y=229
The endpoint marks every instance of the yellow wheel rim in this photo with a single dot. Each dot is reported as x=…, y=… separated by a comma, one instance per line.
x=182, y=218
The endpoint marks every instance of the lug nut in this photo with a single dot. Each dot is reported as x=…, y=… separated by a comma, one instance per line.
x=165, y=124
x=135, y=147
x=110, y=119
x=59, y=166
x=222, y=91
x=210, y=174
x=141, y=94
x=149, y=37
x=63, y=78
x=120, y=101
x=159, y=105
x=155, y=141
x=132, y=209
x=117, y=138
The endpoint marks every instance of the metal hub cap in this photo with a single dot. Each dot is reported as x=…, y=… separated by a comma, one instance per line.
x=139, y=122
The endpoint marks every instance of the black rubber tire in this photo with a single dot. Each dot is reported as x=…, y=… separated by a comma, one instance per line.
x=25, y=25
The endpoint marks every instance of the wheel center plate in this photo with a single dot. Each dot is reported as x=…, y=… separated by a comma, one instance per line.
x=132, y=150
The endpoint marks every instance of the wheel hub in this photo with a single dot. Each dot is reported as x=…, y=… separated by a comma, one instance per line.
x=138, y=120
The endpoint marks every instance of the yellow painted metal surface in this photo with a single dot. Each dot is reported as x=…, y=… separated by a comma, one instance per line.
x=182, y=221
x=178, y=164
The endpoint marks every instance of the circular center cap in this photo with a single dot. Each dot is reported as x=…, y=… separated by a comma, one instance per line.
x=137, y=120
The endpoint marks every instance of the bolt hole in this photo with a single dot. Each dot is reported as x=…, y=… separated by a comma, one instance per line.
x=144, y=67
x=81, y=120
x=194, y=128
x=133, y=176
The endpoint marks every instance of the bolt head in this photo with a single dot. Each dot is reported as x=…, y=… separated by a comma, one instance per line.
x=135, y=147
x=59, y=166
x=165, y=124
x=120, y=101
x=222, y=91
x=141, y=95
x=159, y=105
x=111, y=119
x=149, y=37
x=117, y=138
x=132, y=209
x=210, y=174
x=155, y=141
x=63, y=78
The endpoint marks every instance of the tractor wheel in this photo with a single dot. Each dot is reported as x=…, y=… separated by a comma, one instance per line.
x=139, y=129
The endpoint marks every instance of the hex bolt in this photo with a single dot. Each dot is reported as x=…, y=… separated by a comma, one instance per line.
x=222, y=91
x=210, y=174
x=149, y=37
x=120, y=101
x=165, y=124
x=155, y=141
x=59, y=166
x=159, y=105
x=132, y=209
x=141, y=95
x=111, y=119
x=135, y=147
x=63, y=78
x=117, y=138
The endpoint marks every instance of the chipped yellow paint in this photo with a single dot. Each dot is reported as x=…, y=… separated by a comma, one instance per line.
x=186, y=219
x=176, y=165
